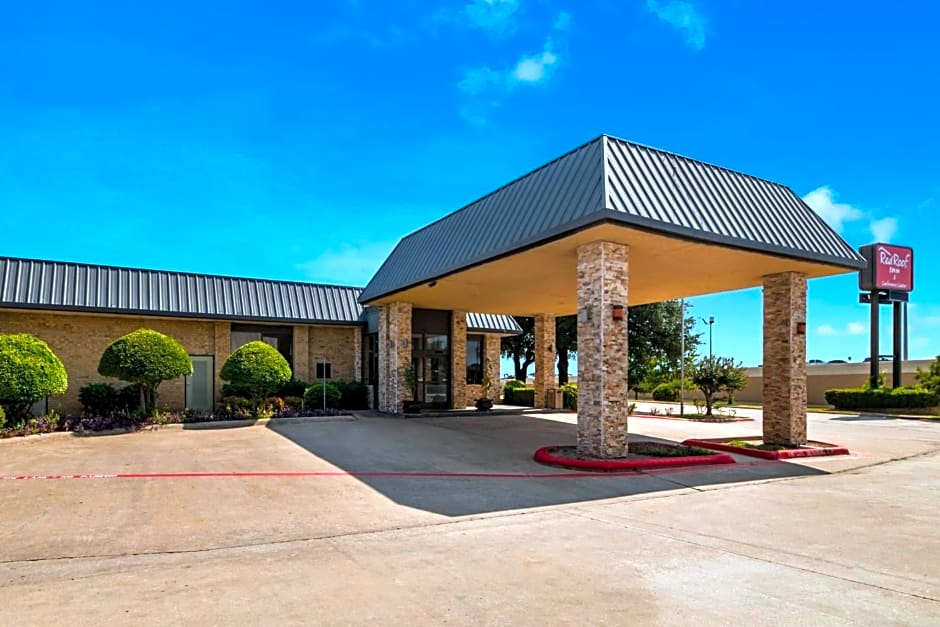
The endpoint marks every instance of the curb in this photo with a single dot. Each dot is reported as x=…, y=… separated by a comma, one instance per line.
x=543, y=456
x=772, y=455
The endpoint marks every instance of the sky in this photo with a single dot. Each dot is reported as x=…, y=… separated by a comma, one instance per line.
x=300, y=141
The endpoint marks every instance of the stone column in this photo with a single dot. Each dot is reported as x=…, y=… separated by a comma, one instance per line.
x=394, y=356
x=357, y=359
x=784, y=372
x=491, y=354
x=222, y=348
x=301, y=367
x=544, y=357
x=603, y=399
x=458, y=359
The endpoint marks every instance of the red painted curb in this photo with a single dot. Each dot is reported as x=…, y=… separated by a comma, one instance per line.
x=774, y=455
x=543, y=456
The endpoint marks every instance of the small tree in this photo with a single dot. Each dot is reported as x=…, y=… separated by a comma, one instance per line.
x=258, y=368
x=29, y=371
x=713, y=375
x=147, y=358
x=930, y=378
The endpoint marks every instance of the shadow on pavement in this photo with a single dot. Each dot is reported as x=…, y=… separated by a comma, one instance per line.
x=497, y=444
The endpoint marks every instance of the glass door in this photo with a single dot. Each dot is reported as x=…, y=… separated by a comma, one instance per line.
x=431, y=361
x=200, y=384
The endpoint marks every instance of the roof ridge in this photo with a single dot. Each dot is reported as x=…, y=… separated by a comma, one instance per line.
x=179, y=272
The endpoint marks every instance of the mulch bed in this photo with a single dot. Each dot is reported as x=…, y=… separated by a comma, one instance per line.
x=755, y=447
x=642, y=455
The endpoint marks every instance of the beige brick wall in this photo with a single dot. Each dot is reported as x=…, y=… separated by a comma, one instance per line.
x=80, y=339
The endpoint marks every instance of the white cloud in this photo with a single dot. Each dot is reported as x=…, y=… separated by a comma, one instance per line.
x=682, y=15
x=535, y=68
x=823, y=201
x=480, y=79
x=493, y=16
x=852, y=328
x=348, y=265
x=563, y=21
x=884, y=229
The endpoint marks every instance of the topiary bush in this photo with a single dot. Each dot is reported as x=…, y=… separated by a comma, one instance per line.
x=667, y=392
x=519, y=396
x=353, y=395
x=29, y=371
x=98, y=399
x=882, y=398
x=313, y=395
x=147, y=358
x=257, y=368
x=293, y=387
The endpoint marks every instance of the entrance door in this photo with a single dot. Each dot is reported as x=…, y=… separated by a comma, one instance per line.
x=431, y=361
x=200, y=384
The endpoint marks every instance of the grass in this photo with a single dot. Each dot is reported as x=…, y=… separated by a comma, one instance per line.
x=654, y=449
x=759, y=447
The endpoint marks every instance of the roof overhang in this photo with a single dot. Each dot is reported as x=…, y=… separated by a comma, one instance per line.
x=542, y=277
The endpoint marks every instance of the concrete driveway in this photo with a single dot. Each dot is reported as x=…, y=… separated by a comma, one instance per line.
x=481, y=535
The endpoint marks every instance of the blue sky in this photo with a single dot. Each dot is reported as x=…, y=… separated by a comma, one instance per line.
x=301, y=140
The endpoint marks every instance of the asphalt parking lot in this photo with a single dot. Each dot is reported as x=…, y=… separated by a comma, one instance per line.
x=443, y=520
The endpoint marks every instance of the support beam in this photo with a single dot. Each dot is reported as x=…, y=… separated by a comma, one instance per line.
x=394, y=356
x=603, y=278
x=784, y=376
x=458, y=355
x=544, y=357
x=491, y=354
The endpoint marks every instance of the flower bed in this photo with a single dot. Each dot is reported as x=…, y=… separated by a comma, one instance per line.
x=755, y=447
x=642, y=455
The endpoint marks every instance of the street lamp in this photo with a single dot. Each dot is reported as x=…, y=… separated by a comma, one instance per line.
x=709, y=322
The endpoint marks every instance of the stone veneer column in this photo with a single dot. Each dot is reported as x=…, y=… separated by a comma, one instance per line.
x=301, y=367
x=222, y=348
x=603, y=278
x=784, y=370
x=491, y=354
x=458, y=359
x=544, y=357
x=357, y=359
x=394, y=356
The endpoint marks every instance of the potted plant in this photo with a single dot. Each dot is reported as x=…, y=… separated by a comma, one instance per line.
x=411, y=406
x=485, y=403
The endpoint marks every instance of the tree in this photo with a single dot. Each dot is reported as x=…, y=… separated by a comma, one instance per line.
x=930, y=378
x=713, y=375
x=257, y=367
x=521, y=348
x=566, y=344
x=655, y=343
x=147, y=358
x=29, y=372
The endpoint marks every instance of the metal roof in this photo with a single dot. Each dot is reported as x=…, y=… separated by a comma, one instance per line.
x=36, y=284
x=610, y=179
x=491, y=323
x=62, y=286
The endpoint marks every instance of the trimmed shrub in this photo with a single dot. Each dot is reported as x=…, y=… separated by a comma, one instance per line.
x=293, y=387
x=128, y=399
x=313, y=396
x=353, y=395
x=520, y=396
x=29, y=371
x=882, y=398
x=98, y=399
x=668, y=391
x=147, y=358
x=514, y=384
x=570, y=391
x=295, y=402
x=258, y=368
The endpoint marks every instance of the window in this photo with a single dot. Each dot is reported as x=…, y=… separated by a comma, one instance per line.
x=281, y=338
x=475, y=359
x=324, y=370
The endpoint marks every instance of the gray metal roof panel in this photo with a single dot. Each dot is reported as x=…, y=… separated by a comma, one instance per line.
x=55, y=285
x=616, y=180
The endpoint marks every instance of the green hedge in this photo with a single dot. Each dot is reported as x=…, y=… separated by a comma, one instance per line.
x=882, y=398
x=519, y=396
x=514, y=384
x=570, y=391
x=668, y=391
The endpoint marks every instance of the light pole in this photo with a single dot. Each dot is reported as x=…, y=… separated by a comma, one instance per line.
x=709, y=322
x=682, y=360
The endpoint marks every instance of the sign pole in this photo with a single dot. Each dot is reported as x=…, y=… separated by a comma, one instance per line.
x=875, y=324
x=896, y=369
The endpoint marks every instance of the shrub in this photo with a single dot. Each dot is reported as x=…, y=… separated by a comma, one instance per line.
x=882, y=398
x=353, y=395
x=313, y=396
x=520, y=396
x=3, y=417
x=258, y=368
x=29, y=371
x=570, y=391
x=147, y=358
x=292, y=387
x=514, y=384
x=295, y=402
x=98, y=399
x=668, y=391
x=128, y=399
x=930, y=378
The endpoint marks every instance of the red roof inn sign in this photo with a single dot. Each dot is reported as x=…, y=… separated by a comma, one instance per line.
x=889, y=268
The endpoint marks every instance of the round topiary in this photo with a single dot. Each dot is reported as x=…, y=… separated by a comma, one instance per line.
x=313, y=396
x=147, y=358
x=29, y=371
x=258, y=368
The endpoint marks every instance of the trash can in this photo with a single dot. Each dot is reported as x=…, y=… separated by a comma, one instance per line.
x=556, y=398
